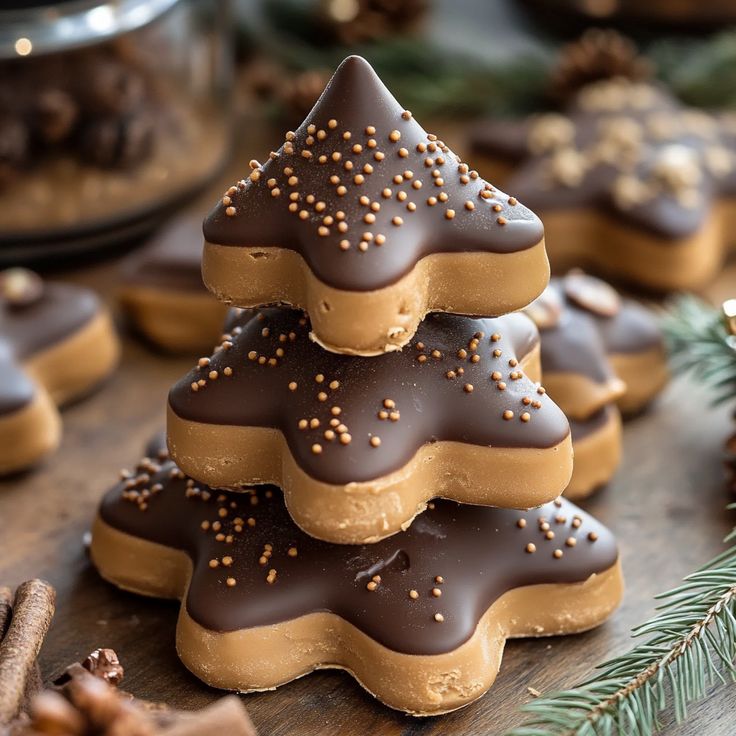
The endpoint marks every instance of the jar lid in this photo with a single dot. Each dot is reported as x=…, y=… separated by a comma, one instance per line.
x=40, y=27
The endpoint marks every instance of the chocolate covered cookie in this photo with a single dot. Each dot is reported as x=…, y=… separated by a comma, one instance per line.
x=419, y=619
x=56, y=343
x=628, y=181
x=163, y=294
x=359, y=445
x=368, y=222
x=600, y=353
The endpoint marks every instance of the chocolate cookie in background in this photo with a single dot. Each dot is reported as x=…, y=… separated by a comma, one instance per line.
x=57, y=342
x=360, y=445
x=627, y=180
x=162, y=291
x=420, y=618
x=601, y=354
x=368, y=222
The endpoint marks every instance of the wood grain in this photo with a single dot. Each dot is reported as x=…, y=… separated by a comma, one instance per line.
x=666, y=504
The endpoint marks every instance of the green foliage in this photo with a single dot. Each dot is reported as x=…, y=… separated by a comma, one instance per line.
x=437, y=81
x=702, y=72
x=698, y=341
x=690, y=644
x=684, y=650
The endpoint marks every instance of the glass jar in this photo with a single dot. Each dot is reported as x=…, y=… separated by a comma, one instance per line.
x=110, y=114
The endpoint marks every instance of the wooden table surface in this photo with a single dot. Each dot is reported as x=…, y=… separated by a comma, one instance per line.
x=666, y=505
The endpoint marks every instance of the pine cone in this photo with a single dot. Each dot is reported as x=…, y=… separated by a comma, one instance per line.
x=596, y=55
x=358, y=21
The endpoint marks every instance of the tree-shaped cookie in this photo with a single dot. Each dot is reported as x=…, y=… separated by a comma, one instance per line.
x=359, y=445
x=627, y=180
x=368, y=222
x=420, y=619
x=56, y=343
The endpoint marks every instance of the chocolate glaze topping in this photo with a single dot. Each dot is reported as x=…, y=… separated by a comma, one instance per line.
x=34, y=315
x=362, y=192
x=172, y=260
x=628, y=148
x=453, y=382
x=591, y=323
x=582, y=428
x=471, y=555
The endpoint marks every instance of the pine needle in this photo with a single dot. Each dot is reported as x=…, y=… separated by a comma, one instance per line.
x=697, y=339
x=689, y=646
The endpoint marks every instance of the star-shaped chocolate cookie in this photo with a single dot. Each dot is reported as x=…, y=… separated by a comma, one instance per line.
x=163, y=294
x=600, y=353
x=368, y=222
x=56, y=343
x=627, y=180
x=359, y=445
x=420, y=618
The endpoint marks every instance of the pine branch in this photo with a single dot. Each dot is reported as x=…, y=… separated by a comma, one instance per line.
x=698, y=341
x=689, y=645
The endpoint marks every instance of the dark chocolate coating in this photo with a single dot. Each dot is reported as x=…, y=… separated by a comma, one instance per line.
x=583, y=339
x=28, y=329
x=432, y=406
x=358, y=101
x=582, y=428
x=480, y=553
x=172, y=260
x=697, y=132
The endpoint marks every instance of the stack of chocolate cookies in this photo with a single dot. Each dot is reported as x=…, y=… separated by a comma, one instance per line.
x=297, y=518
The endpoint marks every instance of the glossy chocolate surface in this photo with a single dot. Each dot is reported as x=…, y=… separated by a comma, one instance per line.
x=628, y=148
x=172, y=260
x=357, y=163
x=453, y=382
x=582, y=428
x=478, y=554
x=587, y=332
x=28, y=326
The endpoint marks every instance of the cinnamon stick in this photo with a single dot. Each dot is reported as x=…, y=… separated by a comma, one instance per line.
x=32, y=610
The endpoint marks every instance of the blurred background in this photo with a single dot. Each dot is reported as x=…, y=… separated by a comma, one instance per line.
x=114, y=115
